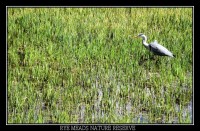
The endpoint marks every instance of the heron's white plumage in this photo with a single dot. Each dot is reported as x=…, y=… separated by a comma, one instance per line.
x=155, y=47
x=161, y=48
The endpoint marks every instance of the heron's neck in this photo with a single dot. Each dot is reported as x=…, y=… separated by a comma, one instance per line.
x=144, y=42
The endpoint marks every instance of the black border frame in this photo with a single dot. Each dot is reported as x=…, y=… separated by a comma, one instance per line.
x=99, y=4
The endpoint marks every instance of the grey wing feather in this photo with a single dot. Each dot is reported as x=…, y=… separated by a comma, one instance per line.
x=159, y=49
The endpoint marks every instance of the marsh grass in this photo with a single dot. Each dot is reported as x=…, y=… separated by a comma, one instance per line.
x=82, y=65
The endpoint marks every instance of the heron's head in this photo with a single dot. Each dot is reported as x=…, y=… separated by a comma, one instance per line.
x=142, y=36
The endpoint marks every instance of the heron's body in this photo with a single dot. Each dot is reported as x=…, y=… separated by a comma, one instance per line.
x=156, y=48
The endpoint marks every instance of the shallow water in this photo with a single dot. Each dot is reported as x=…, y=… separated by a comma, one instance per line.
x=142, y=117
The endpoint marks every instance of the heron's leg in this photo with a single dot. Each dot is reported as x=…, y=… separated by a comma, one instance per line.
x=151, y=56
x=149, y=60
x=143, y=59
x=158, y=62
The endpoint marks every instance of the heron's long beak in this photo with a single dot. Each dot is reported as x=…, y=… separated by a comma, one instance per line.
x=135, y=36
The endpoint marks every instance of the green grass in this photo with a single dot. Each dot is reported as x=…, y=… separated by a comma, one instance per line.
x=82, y=65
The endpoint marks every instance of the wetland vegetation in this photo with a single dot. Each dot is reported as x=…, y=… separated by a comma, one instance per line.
x=83, y=65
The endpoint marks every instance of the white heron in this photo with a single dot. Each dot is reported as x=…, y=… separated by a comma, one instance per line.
x=154, y=47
